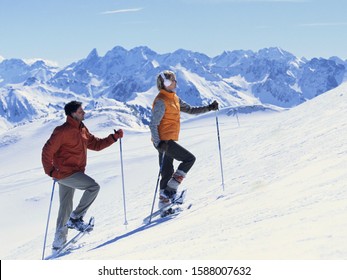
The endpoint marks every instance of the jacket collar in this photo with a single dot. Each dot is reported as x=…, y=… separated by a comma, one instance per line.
x=70, y=120
x=167, y=93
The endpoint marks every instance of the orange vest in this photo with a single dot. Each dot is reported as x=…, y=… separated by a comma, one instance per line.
x=169, y=127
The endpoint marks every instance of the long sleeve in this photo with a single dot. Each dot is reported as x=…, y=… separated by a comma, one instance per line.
x=97, y=144
x=186, y=108
x=49, y=149
x=157, y=115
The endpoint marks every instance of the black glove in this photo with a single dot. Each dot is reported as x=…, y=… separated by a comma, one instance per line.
x=213, y=106
x=163, y=146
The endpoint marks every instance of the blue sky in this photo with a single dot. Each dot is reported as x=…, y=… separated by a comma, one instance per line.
x=67, y=30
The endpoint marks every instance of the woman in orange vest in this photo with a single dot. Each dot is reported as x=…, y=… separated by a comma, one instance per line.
x=165, y=128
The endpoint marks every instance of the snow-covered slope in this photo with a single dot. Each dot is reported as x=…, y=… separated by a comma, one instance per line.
x=285, y=189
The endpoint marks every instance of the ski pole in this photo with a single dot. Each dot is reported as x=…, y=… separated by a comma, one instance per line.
x=156, y=188
x=220, y=150
x=122, y=170
x=49, y=214
x=237, y=117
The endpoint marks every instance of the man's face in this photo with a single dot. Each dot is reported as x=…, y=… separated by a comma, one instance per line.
x=79, y=114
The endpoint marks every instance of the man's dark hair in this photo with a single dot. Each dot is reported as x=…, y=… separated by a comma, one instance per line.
x=72, y=107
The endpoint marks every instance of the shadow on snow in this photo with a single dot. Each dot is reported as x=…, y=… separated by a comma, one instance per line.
x=137, y=230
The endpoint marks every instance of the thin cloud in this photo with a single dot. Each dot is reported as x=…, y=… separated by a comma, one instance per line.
x=319, y=24
x=121, y=11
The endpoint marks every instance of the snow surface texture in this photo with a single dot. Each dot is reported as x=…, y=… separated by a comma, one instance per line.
x=285, y=189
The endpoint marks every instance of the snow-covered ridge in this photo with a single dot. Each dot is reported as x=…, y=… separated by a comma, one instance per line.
x=270, y=76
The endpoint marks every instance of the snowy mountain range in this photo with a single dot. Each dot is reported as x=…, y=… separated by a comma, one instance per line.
x=122, y=83
x=285, y=191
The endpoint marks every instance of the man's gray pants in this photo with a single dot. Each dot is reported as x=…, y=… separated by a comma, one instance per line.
x=67, y=188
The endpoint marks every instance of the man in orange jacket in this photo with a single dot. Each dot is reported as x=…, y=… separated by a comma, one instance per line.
x=165, y=128
x=64, y=158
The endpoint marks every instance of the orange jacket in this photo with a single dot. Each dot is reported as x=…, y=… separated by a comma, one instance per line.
x=169, y=127
x=65, y=152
